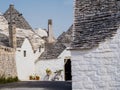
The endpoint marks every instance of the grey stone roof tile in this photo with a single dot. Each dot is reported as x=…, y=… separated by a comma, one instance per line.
x=18, y=19
x=95, y=23
x=66, y=37
x=53, y=50
x=20, y=42
x=4, y=40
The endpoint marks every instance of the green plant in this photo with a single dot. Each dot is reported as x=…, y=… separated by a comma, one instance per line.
x=4, y=80
x=48, y=71
x=11, y=79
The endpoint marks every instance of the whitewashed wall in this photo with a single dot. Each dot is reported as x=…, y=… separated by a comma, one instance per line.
x=52, y=64
x=66, y=54
x=98, y=68
x=25, y=65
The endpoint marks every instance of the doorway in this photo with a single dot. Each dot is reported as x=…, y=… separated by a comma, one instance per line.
x=68, y=75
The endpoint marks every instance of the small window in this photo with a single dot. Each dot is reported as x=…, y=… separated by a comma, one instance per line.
x=39, y=48
x=24, y=53
x=34, y=51
x=19, y=50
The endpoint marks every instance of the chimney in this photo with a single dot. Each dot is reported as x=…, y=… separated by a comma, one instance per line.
x=50, y=32
x=12, y=30
x=12, y=36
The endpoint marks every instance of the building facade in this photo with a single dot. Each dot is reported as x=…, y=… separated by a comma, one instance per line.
x=20, y=46
x=95, y=47
x=56, y=57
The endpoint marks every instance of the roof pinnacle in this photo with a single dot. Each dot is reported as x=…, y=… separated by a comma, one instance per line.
x=11, y=5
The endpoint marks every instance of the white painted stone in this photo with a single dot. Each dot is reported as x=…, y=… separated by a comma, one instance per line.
x=77, y=85
x=41, y=32
x=101, y=65
x=66, y=54
x=25, y=65
x=52, y=64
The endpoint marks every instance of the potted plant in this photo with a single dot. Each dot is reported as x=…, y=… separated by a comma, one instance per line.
x=30, y=77
x=37, y=77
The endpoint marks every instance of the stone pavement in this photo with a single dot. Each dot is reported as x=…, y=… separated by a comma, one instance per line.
x=37, y=85
x=24, y=89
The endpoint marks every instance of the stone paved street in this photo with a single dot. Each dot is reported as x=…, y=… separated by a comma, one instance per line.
x=37, y=85
x=24, y=89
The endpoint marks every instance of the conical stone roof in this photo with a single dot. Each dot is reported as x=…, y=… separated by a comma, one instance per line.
x=17, y=17
x=95, y=21
x=53, y=50
x=3, y=23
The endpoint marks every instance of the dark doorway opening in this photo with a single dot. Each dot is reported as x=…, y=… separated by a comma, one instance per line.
x=68, y=75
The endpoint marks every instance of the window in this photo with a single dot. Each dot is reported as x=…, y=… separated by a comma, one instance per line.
x=24, y=53
x=39, y=48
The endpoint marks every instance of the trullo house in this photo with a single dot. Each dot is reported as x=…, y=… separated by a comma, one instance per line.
x=96, y=45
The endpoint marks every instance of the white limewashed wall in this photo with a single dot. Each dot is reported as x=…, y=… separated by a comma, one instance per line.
x=98, y=68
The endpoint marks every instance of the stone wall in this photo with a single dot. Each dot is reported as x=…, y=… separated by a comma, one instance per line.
x=97, y=68
x=7, y=62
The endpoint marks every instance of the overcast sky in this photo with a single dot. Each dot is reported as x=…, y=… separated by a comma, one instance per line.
x=37, y=12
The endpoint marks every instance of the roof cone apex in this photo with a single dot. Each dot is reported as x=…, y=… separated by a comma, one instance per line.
x=11, y=5
x=19, y=20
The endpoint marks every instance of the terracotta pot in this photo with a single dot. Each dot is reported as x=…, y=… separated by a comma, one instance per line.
x=37, y=77
x=30, y=77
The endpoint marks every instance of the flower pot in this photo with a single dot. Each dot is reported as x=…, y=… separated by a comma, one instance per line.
x=30, y=77
x=37, y=77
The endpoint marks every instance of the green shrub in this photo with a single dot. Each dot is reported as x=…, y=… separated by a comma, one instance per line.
x=4, y=80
